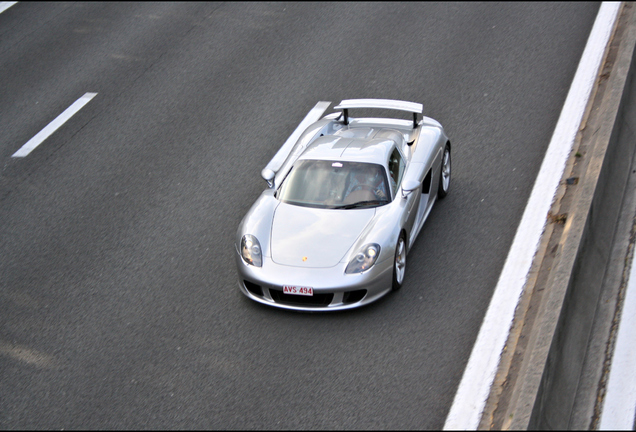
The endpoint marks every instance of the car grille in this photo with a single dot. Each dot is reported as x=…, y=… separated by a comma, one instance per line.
x=296, y=300
x=353, y=296
x=253, y=288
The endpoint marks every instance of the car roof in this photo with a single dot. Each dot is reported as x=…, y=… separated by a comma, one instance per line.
x=371, y=144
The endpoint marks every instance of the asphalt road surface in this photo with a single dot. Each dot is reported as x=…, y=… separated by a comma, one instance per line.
x=119, y=305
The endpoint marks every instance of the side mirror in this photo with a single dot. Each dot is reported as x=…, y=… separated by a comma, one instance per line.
x=268, y=175
x=409, y=186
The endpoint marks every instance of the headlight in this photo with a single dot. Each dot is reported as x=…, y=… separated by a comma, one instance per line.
x=251, y=250
x=364, y=259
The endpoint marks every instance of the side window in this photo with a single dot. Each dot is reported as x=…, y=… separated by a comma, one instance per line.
x=396, y=169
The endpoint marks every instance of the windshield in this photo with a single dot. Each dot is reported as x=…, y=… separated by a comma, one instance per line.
x=335, y=185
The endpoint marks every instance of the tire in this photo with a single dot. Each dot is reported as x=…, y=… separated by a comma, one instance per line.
x=399, y=263
x=445, y=173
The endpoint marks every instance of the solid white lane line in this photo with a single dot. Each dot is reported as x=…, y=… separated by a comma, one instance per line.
x=619, y=407
x=54, y=125
x=473, y=390
x=6, y=5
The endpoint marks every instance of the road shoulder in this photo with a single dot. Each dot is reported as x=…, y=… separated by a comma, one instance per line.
x=543, y=361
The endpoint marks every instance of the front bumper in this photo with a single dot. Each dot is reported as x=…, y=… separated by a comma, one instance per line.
x=333, y=289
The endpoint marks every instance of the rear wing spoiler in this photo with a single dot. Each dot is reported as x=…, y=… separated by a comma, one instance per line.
x=413, y=107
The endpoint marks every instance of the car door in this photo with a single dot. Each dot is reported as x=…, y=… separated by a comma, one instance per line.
x=397, y=167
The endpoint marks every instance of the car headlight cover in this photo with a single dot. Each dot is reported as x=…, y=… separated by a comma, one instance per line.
x=251, y=250
x=364, y=259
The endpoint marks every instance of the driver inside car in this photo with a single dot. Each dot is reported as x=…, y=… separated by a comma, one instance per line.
x=371, y=181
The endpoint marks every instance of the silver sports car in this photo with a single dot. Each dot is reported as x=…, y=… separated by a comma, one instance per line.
x=347, y=198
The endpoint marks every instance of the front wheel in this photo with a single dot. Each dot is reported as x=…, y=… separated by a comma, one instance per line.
x=445, y=174
x=399, y=263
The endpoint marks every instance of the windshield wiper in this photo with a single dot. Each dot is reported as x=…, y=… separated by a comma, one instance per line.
x=359, y=204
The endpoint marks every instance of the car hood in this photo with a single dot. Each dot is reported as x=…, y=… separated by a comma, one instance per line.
x=310, y=237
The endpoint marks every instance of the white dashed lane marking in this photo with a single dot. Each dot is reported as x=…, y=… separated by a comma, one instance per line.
x=6, y=5
x=54, y=125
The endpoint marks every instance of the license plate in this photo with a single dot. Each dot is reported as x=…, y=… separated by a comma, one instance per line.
x=296, y=290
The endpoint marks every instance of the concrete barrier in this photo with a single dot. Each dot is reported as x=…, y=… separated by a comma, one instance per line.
x=542, y=365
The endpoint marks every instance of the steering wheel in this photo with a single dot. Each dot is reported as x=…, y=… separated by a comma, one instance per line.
x=362, y=187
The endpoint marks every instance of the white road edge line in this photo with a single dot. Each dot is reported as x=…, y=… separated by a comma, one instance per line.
x=6, y=5
x=473, y=390
x=619, y=407
x=54, y=125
